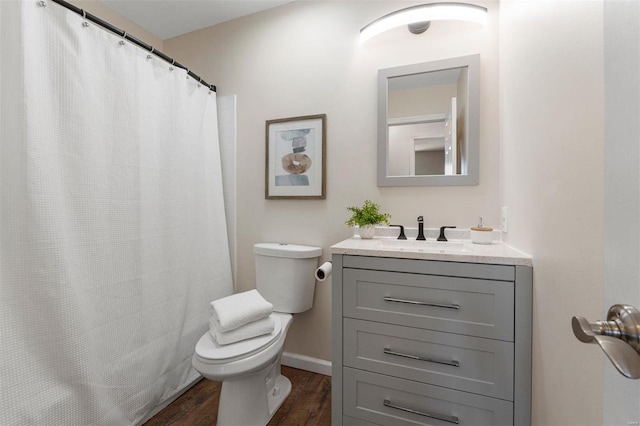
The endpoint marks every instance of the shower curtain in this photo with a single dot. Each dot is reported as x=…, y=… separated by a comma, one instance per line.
x=112, y=227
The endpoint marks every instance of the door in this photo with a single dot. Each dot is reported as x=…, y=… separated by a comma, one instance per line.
x=450, y=140
x=621, y=396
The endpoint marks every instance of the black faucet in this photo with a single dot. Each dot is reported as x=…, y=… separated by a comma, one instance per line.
x=421, y=229
x=401, y=236
x=441, y=237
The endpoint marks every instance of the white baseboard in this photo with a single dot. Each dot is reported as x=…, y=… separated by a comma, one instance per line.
x=303, y=362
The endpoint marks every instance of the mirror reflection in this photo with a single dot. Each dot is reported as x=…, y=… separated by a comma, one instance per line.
x=423, y=123
x=428, y=116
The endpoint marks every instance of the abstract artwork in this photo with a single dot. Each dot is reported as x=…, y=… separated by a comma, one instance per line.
x=295, y=154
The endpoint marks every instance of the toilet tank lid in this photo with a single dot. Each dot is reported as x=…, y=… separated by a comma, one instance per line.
x=291, y=251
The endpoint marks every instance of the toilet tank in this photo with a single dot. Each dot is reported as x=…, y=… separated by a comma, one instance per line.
x=285, y=275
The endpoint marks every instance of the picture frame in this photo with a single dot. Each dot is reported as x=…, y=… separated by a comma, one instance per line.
x=296, y=158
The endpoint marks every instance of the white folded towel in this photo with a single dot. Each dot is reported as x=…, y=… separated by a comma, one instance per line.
x=247, y=331
x=239, y=309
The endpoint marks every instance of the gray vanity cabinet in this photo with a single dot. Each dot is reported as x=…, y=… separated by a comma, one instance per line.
x=430, y=342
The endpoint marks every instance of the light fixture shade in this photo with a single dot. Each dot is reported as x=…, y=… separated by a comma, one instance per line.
x=424, y=13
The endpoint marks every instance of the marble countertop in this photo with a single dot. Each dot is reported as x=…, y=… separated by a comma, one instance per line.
x=455, y=250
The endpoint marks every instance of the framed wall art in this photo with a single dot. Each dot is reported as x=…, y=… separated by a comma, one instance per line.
x=296, y=157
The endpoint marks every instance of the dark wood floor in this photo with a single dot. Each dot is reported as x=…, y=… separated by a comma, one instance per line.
x=308, y=404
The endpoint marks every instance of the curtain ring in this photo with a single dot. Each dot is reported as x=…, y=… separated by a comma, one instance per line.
x=85, y=24
x=173, y=61
x=124, y=37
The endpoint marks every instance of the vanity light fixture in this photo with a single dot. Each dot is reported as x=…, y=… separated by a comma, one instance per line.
x=418, y=18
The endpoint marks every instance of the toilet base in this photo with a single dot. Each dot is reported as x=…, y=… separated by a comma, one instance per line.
x=277, y=396
x=253, y=400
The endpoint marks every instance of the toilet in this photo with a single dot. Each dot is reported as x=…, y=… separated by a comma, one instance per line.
x=252, y=386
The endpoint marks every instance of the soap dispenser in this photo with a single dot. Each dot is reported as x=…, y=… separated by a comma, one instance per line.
x=481, y=235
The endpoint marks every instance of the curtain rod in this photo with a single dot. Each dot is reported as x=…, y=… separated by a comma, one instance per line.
x=132, y=39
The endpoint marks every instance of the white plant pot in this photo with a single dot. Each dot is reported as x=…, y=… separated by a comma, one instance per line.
x=367, y=232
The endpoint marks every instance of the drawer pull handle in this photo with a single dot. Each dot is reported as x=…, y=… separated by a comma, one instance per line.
x=418, y=302
x=452, y=363
x=450, y=419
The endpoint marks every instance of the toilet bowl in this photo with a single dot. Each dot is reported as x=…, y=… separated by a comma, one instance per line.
x=252, y=386
x=249, y=371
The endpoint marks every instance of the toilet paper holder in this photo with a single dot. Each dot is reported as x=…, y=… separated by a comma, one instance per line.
x=323, y=272
x=618, y=336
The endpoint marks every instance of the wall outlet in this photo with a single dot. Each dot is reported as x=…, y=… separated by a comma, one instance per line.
x=505, y=219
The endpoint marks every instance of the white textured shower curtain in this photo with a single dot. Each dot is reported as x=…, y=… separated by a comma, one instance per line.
x=112, y=227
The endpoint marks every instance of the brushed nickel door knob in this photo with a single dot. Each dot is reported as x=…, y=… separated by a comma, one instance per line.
x=618, y=336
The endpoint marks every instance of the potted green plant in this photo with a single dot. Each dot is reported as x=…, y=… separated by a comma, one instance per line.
x=366, y=218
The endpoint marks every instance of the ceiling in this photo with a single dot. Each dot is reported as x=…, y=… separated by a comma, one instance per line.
x=170, y=18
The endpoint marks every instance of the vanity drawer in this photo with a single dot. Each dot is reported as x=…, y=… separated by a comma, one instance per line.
x=432, y=267
x=388, y=400
x=474, y=307
x=471, y=364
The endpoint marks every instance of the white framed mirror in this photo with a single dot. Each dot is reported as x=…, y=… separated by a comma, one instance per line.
x=429, y=123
